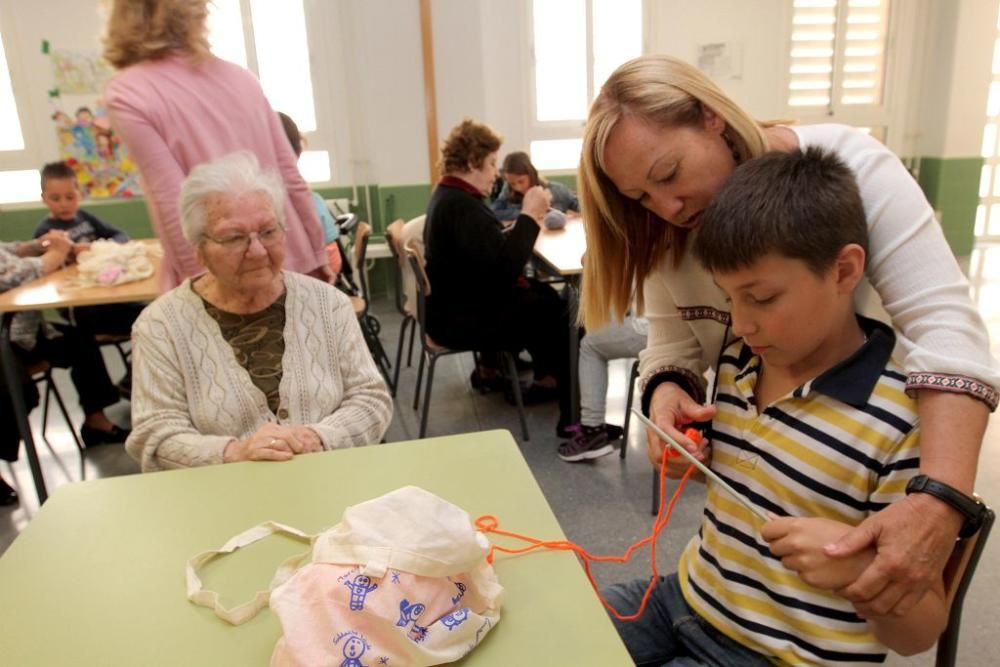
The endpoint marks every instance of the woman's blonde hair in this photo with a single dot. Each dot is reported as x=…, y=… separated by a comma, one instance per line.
x=141, y=30
x=624, y=240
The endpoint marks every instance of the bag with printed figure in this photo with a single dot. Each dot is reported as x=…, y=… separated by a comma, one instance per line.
x=401, y=580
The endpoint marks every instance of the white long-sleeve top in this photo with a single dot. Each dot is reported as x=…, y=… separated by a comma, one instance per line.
x=191, y=396
x=942, y=337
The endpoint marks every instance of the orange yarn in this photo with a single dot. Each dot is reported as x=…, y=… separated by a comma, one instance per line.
x=488, y=523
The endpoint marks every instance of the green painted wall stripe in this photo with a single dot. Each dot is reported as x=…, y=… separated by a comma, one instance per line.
x=952, y=187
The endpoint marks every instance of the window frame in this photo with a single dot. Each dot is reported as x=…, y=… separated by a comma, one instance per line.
x=536, y=130
x=879, y=115
x=322, y=138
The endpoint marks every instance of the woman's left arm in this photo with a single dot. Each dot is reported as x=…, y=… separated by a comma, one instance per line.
x=950, y=371
x=366, y=409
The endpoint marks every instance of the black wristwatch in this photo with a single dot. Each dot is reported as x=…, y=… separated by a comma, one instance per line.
x=970, y=507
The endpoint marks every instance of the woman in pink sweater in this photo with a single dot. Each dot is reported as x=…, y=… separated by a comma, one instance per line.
x=175, y=105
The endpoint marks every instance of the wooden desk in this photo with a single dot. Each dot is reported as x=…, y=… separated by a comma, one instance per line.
x=59, y=290
x=560, y=252
x=97, y=577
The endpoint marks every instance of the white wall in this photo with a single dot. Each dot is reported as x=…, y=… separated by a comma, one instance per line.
x=679, y=27
x=25, y=25
x=368, y=73
x=959, y=55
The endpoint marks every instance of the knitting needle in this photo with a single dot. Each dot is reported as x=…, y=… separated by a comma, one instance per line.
x=699, y=465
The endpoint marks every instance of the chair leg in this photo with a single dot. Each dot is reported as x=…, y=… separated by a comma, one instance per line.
x=65, y=414
x=399, y=354
x=45, y=407
x=427, y=395
x=656, y=492
x=409, y=354
x=628, y=409
x=515, y=385
x=420, y=378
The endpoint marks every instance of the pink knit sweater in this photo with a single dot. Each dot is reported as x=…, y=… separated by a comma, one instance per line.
x=173, y=115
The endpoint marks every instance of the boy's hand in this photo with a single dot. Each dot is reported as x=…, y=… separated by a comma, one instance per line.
x=799, y=543
x=670, y=408
x=677, y=465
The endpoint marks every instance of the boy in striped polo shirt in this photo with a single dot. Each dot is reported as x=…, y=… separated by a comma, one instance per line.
x=812, y=426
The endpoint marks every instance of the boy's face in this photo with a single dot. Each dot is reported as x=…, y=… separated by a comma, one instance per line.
x=788, y=314
x=62, y=197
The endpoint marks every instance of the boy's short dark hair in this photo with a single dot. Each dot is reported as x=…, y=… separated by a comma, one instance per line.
x=802, y=205
x=56, y=170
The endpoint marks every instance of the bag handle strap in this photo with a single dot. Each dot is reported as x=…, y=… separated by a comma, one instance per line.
x=242, y=613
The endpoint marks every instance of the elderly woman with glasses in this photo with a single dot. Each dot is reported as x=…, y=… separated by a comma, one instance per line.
x=247, y=362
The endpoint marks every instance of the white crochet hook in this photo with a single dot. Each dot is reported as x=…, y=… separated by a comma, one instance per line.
x=699, y=465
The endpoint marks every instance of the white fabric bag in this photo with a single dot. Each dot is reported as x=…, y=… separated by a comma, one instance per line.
x=110, y=263
x=401, y=580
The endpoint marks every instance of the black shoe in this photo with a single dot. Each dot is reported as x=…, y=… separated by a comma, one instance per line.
x=8, y=496
x=93, y=437
x=591, y=443
x=564, y=430
x=486, y=385
x=614, y=432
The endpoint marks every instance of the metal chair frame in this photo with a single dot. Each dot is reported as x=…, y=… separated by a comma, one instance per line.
x=431, y=352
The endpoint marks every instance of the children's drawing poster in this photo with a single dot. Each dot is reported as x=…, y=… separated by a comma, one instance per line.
x=87, y=142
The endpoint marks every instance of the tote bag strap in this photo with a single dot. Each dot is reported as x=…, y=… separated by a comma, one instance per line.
x=242, y=613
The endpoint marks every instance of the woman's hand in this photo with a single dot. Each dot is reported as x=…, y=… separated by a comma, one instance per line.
x=305, y=438
x=56, y=250
x=913, y=539
x=670, y=408
x=273, y=442
x=270, y=442
x=536, y=203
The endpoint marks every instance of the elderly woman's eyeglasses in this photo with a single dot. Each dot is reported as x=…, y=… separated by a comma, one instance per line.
x=240, y=243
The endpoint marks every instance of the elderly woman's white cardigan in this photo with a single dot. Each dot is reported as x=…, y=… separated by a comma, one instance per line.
x=190, y=396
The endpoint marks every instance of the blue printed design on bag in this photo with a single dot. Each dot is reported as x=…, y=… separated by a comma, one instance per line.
x=360, y=588
x=409, y=613
x=455, y=618
x=461, y=592
x=354, y=647
x=395, y=576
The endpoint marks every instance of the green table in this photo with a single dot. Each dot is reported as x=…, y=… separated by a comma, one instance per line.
x=97, y=577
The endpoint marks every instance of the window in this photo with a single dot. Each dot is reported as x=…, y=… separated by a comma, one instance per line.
x=837, y=61
x=269, y=38
x=576, y=45
x=988, y=211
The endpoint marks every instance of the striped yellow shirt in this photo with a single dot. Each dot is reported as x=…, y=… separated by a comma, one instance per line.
x=841, y=446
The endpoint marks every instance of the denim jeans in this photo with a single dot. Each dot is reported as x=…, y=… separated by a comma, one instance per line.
x=669, y=633
x=615, y=341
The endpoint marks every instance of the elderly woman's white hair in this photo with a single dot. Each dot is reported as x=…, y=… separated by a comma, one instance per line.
x=232, y=175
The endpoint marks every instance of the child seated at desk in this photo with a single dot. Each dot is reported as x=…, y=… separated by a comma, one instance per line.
x=812, y=426
x=62, y=196
x=35, y=340
x=520, y=176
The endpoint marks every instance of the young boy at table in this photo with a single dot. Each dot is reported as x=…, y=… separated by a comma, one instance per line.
x=62, y=196
x=812, y=426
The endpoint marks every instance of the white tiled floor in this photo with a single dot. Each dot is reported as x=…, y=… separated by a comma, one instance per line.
x=603, y=505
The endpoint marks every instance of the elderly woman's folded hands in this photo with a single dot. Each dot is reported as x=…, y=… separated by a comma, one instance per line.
x=273, y=442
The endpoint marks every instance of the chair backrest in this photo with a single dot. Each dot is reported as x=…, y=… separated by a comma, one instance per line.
x=957, y=578
x=393, y=238
x=359, y=253
x=415, y=257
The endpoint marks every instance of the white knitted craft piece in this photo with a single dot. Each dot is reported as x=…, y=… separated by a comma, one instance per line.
x=111, y=263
